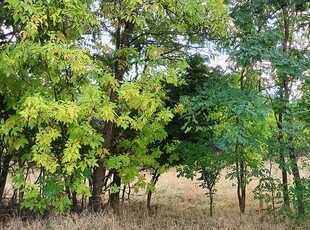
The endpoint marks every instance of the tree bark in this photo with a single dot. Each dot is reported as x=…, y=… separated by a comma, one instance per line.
x=154, y=180
x=5, y=158
x=286, y=199
x=211, y=202
x=98, y=183
x=123, y=34
x=284, y=98
x=4, y=175
x=241, y=165
x=114, y=197
x=75, y=205
x=241, y=187
x=100, y=171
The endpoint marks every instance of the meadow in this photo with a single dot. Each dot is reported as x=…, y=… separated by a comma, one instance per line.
x=178, y=203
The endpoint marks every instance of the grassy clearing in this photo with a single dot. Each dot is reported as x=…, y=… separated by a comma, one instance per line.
x=179, y=203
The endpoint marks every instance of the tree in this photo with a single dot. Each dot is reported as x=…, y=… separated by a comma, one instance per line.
x=83, y=114
x=270, y=35
x=194, y=127
x=42, y=74
x=223, y=126
x=146, y=38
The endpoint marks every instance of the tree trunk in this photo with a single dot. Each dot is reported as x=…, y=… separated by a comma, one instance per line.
x=98, y=183
x=122, y=40
x=75, y=206
x=241, y=187
x=154, y=180
x=4, y=175
x=123, y=194
x=5, y=159
x=299, y=186
x=241, y=197
x=241, y=166
x=100, y=171
x=211, y=201
x=114, y=197
x=287, y=92
x=286, y=198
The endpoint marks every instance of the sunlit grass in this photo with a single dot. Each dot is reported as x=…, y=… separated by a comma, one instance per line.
x=179, y=203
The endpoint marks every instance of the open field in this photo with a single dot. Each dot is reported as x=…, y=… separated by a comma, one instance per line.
x=179, y=203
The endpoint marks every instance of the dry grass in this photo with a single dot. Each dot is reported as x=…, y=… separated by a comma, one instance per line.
x=178, y=204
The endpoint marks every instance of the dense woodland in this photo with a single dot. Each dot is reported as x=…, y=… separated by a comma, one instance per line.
x=95, y=95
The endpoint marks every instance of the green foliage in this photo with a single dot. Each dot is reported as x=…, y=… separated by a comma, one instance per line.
x=72, y=103
x=226, y=125
x=64, y=96
x=268, y=191
x=271, y=38
x=42, y=74
x=198, y=158
x=146, y=55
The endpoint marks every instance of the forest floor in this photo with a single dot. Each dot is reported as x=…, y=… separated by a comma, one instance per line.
x=178, y=203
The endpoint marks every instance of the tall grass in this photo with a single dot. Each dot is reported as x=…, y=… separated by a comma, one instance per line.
x=179, y=203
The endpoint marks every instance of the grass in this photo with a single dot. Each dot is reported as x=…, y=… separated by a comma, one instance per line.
x=179, y=203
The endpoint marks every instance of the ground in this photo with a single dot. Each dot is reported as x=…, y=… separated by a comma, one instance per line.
x=179, y=203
